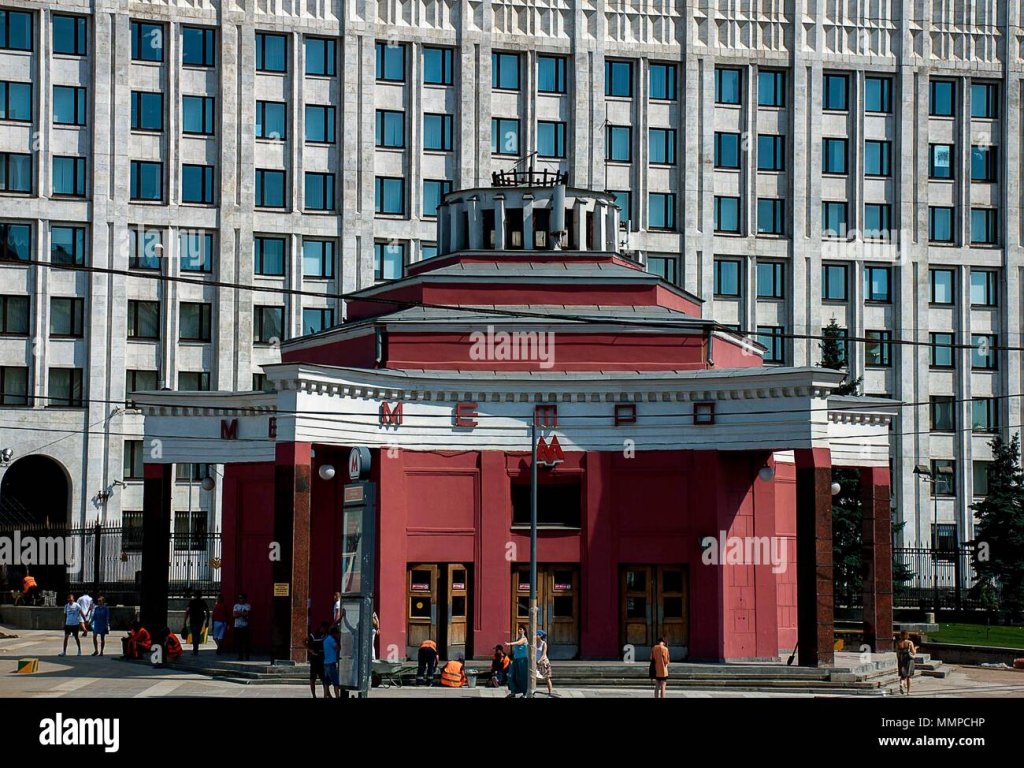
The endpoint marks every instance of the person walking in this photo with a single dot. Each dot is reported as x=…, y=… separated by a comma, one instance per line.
x=220, y=623
x=85, y=603
x=240, y=612
x=659, y=668
x=198, y=617
x=315, y=652
x=331, y=645
x=100, y=625
x=905, y=653
x=72, y=624
x=519, y=671
x=543, y=663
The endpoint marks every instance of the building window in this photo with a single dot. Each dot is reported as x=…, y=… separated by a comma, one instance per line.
x=662, y=214
x=663, y=266
x=980, y=470
x=268, y=256
x=197, y=184
x=984, y=415
x=316, y=320
x=147, y=111
x=65, y=388
x=985, y=100
x=771, y=152
x=194, y=320
x=944, y=474
x=771, y=280
x=434, y=191
x=984, y=291
x=558, y=506
x=67, y=245
x=662, y=146
x=727, y=86
x=198, y=47
x=505, y=71
x=943, y=418
x=15, y=239
x=833, y=282
x=318, y=258
x=727, y=278
x=195, y=251
x=271, y=52
x=133, y=459
x=833, y=219
x=193, y=381
x=878, y=94
x=437, y=66
x=319, y=124
x=877, y=221
x=771, y=338
x=940, y=224
x=190, y=531
x=551, y=74
x=618, y=78
x=771, y=88
x=877, y=158
x=66, y=317
x=319, y=191
x=942, y=283
x=624, y=199
x=437, y=132
x=941, y=100
x=619, y=144
x=662, y=85
x=878, y=349
x=877, y=284
x=726, y=215
x=941, y=350
x=984, y=226
x=69, y=176
x=983, y=164
x=197, y=115
x=390, y=130
x=504, y=136
x=727, y=150
x=15, y=30
x=144, y=248
x=389, y=261
x=69, y=107
x=13, y=385
x=261, y=384
x=320, y=57
x=940, y=161
x=836, y=89
x=140, y=381
x=147, y=181
x=14, y=315
x=69, y=35
x=269, y=188
x=271, y=120
x=389, y=196
x=143, y=320
x=147, y=41
x=770, y=216
x=983, y=352
x=833, y=156
x=550, y=139
x=428, y=251
x=16, y=102
x=15, y=172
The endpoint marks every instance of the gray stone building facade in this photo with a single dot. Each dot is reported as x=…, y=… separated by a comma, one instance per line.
x=790, y=161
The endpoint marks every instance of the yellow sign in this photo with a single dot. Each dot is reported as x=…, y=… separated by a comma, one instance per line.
x=281, y=590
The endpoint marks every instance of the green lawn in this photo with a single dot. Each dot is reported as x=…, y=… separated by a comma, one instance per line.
x=979, y=634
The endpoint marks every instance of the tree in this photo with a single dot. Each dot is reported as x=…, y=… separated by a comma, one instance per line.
x=901, y=573
x=999, y=533
x=847, y=551
x=832, y=346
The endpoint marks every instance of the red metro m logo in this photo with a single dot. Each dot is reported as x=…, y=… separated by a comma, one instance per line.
x=549, y=453
x=390, y=417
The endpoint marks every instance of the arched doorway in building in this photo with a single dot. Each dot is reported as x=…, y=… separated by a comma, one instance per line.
x=34, y=495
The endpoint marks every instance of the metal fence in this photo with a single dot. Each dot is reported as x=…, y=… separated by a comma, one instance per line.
x=108, y=559
x=939, y=580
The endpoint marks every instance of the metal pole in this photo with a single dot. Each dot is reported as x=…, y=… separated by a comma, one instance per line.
x=935, y=547
x=532, y=686
x=188, y=544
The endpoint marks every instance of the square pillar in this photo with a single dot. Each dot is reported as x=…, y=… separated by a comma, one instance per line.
x=876, y=535
x=815, y=609
x=157, y=484
x=293, y=464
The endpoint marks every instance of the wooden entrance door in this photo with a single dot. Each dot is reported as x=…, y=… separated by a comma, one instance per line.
x=654, y=603
x=438, y=603
x=421, y=607
x=457, y=584
x=558, y=606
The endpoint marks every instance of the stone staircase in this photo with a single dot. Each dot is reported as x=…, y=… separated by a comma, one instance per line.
x=926, y=666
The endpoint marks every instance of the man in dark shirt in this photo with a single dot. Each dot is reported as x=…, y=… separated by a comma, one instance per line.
x=198, y=614
x=315, y=646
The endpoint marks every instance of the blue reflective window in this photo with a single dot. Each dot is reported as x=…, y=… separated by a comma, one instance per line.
x=15, y=30
x=836, y=92
x=877, y=158
x=389, y=260
x=271, y=52
x=389, y=196
x=771, y=280
x=268, y=256
x=195, y=251
x=316, y=320
x=437, y=132
x=940, y=224
x=67, y=245
x=269, y=188
x=833, y=156
x=320, y=57
x=878, y=94
x=727, y=86
x=504, y=136
x=318, y=258
x=319, y=191
x=940, y=161
x=147, y=41
x=147, y=181
x=618, y=78
x=662, y=213
x=437, y=66
x=197, y=184
x=16, y=102
x=391, y=62
x=833, y=282
x=320, y=124
x=271, y=120
x=505, y=71
x=877, y=284
x=983, y=164
x=985, y=100
x=550, y=139
x=877, y=220
x=984, y=226
x=727, y=150
x=147, y=111
x=770, y=216
x=15, y=172
x=551, y=74
x=434, y=191
x=942, y=100
x=144, y=248
x=15, y=242
x=624, y=199
x=727, y=277
x=68, y=105
x=198, y=46
x=663, y=146
x=390, y=129
x=833, y=219
x=619, y=143
x=428, y=251
x=197, y=115
x=69, y=35
x=727, y=215
x=663, y=82
x=771, y=152
x=771, y=88
x=69, y=176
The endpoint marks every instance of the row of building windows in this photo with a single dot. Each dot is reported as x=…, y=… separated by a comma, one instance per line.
x=196, y=321
x=943, y=410
x=64, y=387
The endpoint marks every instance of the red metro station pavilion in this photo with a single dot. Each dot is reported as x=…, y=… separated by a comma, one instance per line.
x=685, y=490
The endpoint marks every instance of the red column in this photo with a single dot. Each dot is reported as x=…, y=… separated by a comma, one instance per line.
x=492, y=587
x=815, y=609
x=710, y=504
x=766, y=596
x=392, y=556
x=599, y=630
x=291, y=534
x=158, y=480
x=876, y=535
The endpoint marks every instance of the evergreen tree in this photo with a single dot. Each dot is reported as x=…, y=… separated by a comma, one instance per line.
x=847, y=555
x=901, y=573
x=999, y=533
x=833, y=356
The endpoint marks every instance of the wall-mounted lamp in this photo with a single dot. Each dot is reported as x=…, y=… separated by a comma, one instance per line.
x=208, y=483
x=766, y=473
x=326, y=471
x=836, y=488
x=5, y=456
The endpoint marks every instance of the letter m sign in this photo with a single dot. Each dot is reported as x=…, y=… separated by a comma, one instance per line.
x=229, y=429
x=390, y=417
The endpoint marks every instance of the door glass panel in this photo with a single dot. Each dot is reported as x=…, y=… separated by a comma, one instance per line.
x=458, y=607
x=523, y=608
x=636, y=607
x=562, y=607
x=563, y=580
x=672, y=607
x=672, y=581
x=419, y=581
x=636, y=581
x=458, y=578
x=419, y=607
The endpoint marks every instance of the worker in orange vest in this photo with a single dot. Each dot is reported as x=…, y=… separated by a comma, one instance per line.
x=426, y=662
x=29, y=588
x=454, y=673
x=172, y=645
x=138, y=642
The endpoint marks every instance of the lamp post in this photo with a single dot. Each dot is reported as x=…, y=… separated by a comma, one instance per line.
x=924, y=472
x=532, y=685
